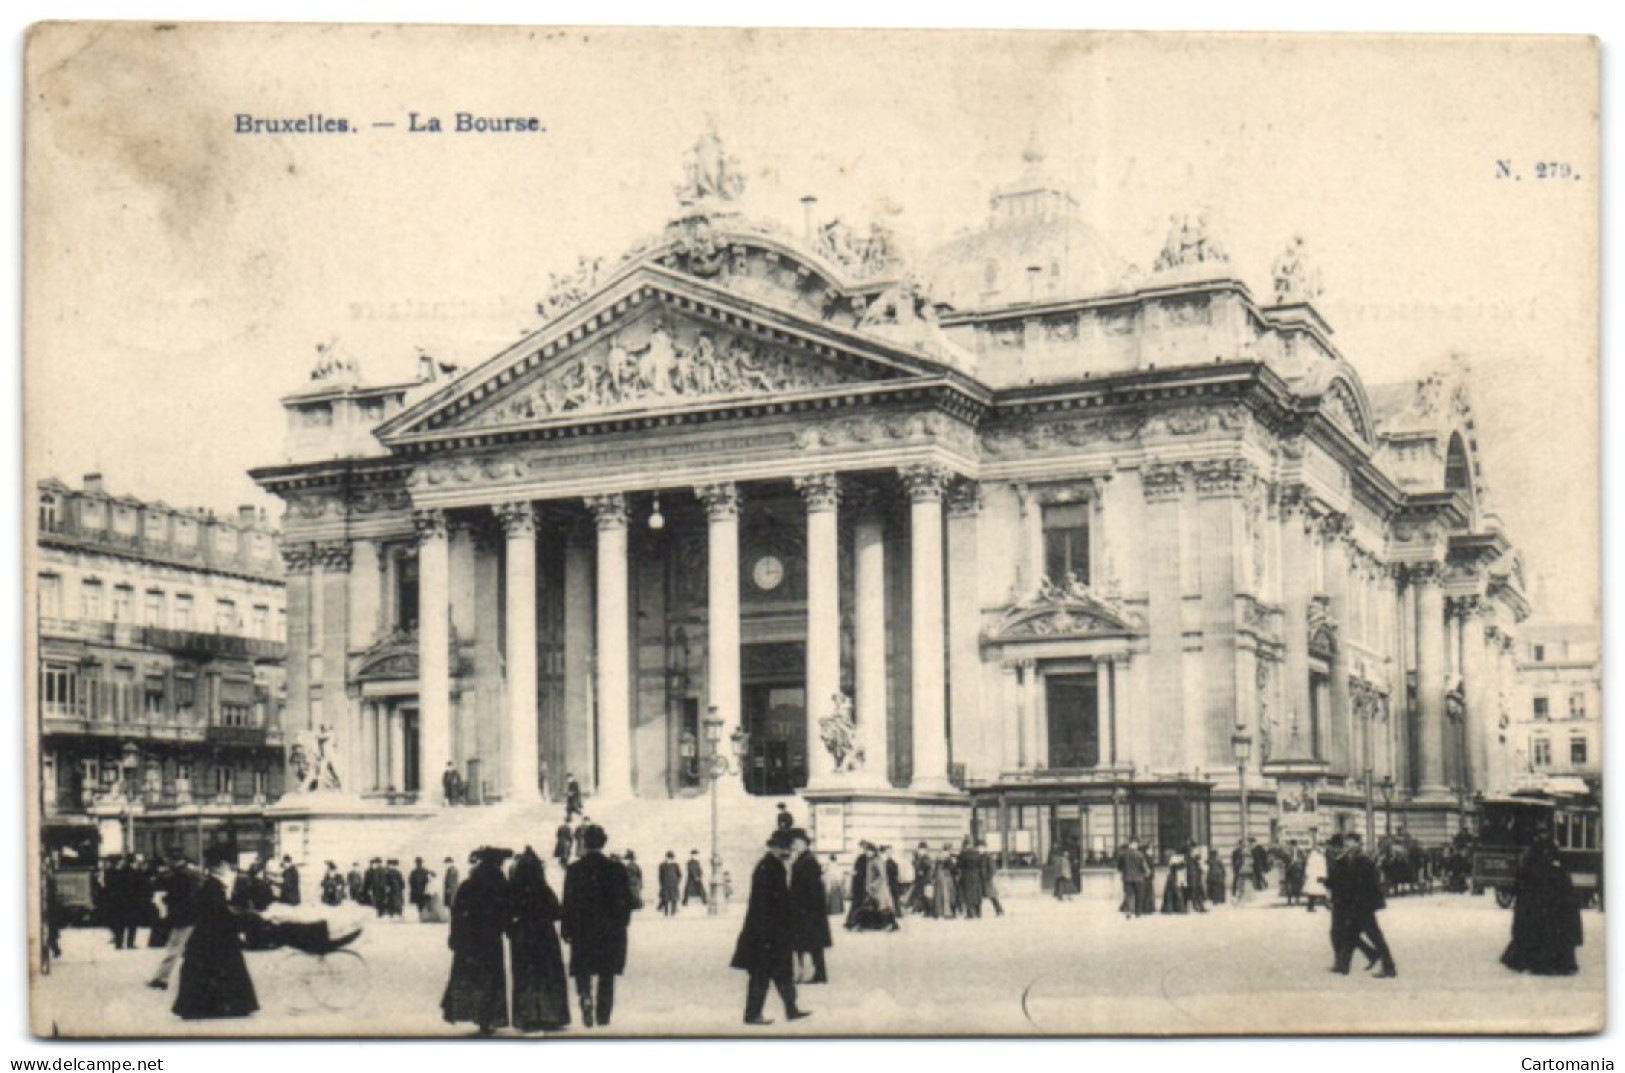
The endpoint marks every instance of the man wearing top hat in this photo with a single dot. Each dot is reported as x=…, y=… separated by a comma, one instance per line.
x=766, y=941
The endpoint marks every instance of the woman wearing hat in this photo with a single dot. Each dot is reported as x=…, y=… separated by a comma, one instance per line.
x=214, y=976
x=477, y=992
x=541, y=1000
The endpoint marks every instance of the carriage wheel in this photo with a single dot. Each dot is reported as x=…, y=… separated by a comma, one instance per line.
x=336, y=981
x=1503, y=897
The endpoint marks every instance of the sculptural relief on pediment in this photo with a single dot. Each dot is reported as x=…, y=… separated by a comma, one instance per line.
x=660, y=363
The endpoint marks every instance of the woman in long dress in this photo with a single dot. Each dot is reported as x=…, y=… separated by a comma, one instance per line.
x=1546, y=925
x=541, y=999
x=835, y=882
x=1173, y=891
x=879, y=909
x=1195, y=885
x=1062, y=862
x=943, y=892
x=214, y=977
x=477, y=992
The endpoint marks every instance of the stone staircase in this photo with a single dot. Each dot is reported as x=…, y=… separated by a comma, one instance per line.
x=650, y=827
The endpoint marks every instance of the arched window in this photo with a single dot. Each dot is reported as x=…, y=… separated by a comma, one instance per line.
x=49, y=513
x=1458, y=476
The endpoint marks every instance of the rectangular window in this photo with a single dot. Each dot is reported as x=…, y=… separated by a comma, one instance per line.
x=1074, y=720
x=225, y=617
x=1577, y=705
x=406, y=593
x=59, y=690
x=1537, y=653
x=262, y=619
x=1542, y=752
x=1543, y=708
x=50, y=596
x=154, y=608
x=223, y=780
x=262, y=782
x=183, y=611
x=1577, y=751
x=90, y=600
x=185, y=693
x=153, y=696
x=50, y=516
x=123, y=603
x=1066, y=543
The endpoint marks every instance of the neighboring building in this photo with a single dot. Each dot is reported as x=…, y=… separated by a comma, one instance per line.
x=1070, y=538
x=160, y=640
x=1554, y=725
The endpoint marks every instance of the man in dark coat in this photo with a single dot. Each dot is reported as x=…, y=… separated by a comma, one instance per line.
x=1135, y=872
x=290, y=882
x=597, y=910
x=808, y=907
x=180, y=899
x=1338, y=869
x=564, y=841
x=1362, y=887
x=970, y=880
x=333, y=886
x=572, y=798
x=860, y=880
x=695, y=886
x=784, y=820
x=451, y=784
x=1546, y=923
x=765, y=941
x=394, y=889
x=356, y=880
x=634, y=879
x=477, y=991
x=1261, y=864
x=671, y=883
x=214, y=977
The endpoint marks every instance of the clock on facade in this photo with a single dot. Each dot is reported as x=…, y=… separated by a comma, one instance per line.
x=767, y=573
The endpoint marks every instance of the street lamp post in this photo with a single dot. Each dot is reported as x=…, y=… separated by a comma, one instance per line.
x=718, y=767
x=1241, y=747
x=1387, y=786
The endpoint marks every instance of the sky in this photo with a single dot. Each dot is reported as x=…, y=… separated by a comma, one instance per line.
x=179, y=276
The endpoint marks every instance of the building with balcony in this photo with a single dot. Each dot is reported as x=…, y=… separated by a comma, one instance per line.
x=1553, y=725
x=1014, y=539
x=160, y=639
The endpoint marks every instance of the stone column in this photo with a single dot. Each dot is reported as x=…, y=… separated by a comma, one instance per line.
x=869, y=642
x=1220, y=486
x=1103, y=714
x=1161, y=724
x=1296, y=526
x=1424, y=579
x=434, y=652
x=1479, y=723
x=969, y=741
x=925, y=483
x=366, y=592
x=580, y=756
x=524, y=776
x=1341, y=752
x=822, y=494
x=397, y=749
x=297, y=560
x=722, y=506
x=614, y=650
x=339, y=713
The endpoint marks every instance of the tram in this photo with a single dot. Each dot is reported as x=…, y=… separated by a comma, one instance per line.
x=1508, y=824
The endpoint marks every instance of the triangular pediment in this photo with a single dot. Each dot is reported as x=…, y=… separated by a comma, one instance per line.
x=654, y=343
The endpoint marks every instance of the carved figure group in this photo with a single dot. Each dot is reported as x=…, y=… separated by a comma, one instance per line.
x=330, y=364
x=571, y=288
x=864, y=256
x=1295, y=280
x=839, y=735
x=1188, y=244
x=663, y=368
x=313, y=761
x=709, y=171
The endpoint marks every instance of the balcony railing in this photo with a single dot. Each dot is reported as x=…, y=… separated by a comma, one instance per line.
x=195, y=642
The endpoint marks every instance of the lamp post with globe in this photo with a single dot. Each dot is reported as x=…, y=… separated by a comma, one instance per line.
x=719, y=766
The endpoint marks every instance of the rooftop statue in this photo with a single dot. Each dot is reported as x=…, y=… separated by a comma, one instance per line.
x=1295, y=280
x=331, y=365
x=1188, y=244
x=709, y=171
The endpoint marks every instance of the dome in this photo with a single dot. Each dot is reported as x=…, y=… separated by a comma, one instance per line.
x=1033, y=249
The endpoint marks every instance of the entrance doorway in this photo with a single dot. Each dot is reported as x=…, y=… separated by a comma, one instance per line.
x=776, y=719
x=1074, y=720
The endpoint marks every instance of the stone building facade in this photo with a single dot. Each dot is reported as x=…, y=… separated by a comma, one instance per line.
x=1553, y=727
x=159, y=639
x=1013, y=539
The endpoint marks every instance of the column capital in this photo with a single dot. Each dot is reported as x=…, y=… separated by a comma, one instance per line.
x=1424, y=573
x=1336, y=525
x=1162, y=482
x=722, y=500
x=333, y=555
x=925, y=481
x=822, y=491
x=964, y=498
x=1467, y=607
x=516, y=519
x=298, y=559
x=430, y=524
x=1223, y=476
x=608, y=510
